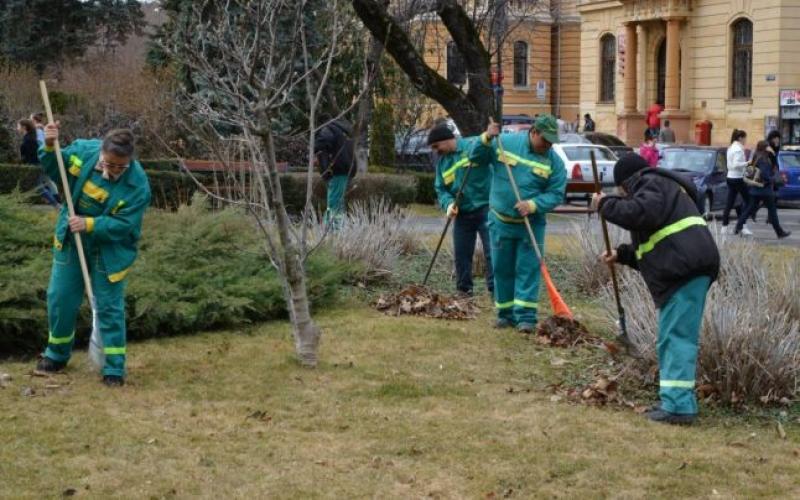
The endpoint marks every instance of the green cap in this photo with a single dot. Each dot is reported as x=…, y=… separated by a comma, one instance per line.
x=548, y=127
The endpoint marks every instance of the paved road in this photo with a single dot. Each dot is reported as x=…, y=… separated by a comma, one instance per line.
x=562, y=224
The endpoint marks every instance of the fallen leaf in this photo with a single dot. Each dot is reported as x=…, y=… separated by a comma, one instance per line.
x=682, y=466
x=737, y=444
x=796, y=452
x=715, y=492
x=27, y=392
x=558, y=362
x=555, y=398
x=785, y=401
x=151, y=441
x=69, y=492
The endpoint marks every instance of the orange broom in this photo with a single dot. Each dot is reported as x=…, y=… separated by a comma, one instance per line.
x=560, y=307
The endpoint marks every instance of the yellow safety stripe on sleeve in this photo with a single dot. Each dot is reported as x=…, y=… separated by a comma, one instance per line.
x=449, y=175
x=74, y=170
x=485, y=140
x=110, y=351
x=532, y=205
x=523, y=303
x=119, y=206
x=681, y=384
x=504, y=305
x=675, y=227
x=60, y=340
x=539, y=169
x=75, y=165
x=507, y=219
x=48, y=149
x=114, y=278
x=89, y=224
x=95, y=192
x=57, y=243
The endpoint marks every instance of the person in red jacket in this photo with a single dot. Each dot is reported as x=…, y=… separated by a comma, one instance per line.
x=652, y=119
x=648, y=149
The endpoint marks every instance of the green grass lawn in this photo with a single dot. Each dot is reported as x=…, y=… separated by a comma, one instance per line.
x=398, y=408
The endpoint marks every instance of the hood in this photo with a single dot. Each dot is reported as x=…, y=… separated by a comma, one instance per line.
x=685, y=182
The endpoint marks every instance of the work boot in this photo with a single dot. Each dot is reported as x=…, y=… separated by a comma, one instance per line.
x=502, y=323
x=526, y=328
x=113, y=380
x=665, y=417
x=48, y=366
x=785, y=234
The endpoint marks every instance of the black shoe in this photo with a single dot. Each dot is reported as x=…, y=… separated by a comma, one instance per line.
x=785, y=234
x=654, y=407
x=113, y=380
x=662, y=416
x=502, y=323
x=526, y=328
x=47, y=365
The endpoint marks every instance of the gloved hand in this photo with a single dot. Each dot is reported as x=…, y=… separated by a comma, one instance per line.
x=452, y=210
x=327, y=175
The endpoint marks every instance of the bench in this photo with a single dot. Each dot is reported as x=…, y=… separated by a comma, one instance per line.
x=581, y=187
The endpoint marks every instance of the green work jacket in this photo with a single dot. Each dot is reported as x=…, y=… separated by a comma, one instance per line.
x=450, y=172
x=116, y=230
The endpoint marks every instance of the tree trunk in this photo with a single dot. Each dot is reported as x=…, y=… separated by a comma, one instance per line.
x=365, y=106
x=306, y=333
x=470, y=111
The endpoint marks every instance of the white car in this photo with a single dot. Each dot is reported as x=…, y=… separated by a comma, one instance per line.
x=578, y=162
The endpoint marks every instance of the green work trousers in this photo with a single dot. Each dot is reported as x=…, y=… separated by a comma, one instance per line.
x=64, y=297
x=337, y=187
x=679, y=324
x=516, y=270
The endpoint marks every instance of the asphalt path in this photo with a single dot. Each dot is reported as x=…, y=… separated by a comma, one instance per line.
x=789, y=218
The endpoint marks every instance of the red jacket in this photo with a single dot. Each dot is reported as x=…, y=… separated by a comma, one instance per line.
x=649, y=153
x=652, y=119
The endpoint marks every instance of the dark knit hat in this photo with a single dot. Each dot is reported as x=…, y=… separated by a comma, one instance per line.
x=627, y=166
x=440, y=132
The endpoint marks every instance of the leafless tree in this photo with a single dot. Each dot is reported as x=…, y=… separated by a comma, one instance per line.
x=252, y=60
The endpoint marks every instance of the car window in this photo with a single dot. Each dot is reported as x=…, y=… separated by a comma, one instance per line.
x=572, y=138
x=789, y=160
x=581, y=153
x=687, y=160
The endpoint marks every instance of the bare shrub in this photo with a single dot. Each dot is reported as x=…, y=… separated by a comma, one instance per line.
x=585, y=245
x=448, y=257
x=372, y=238
x=750, y=339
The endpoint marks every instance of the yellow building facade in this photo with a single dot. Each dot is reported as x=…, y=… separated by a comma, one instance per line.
x=724, y=61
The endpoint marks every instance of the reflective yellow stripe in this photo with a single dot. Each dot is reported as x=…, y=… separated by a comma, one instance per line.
x=504, y=305
x=57, y=243
x=675, y=227
x=449, y=175
x=75, y=170
x=522, y=303
x=681, y=384
x=59, y=340
x=95, y=192
x=89, y=224
x=119, y=206
x=48, y=149
x=74, y=160
x=113, y=278
x=507, y=219
x=110, y=351
x=512, y=159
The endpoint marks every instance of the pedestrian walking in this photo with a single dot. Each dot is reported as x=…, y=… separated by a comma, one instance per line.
x=735, y=180
x=762, y=190
x=673, y=249
x=542, y=179
x=648, y=149
x=653, y=119
x=111, y=193
x=666, y=135
x=471, y=212
x=588, y=123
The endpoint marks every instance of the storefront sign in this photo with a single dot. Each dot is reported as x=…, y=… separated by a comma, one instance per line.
x=790, y=97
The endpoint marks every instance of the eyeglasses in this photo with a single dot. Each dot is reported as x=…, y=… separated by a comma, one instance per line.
x=117, y=166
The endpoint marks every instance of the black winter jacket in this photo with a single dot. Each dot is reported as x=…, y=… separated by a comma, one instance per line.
x=670, y=242
x=29, y=149
x=334, y=149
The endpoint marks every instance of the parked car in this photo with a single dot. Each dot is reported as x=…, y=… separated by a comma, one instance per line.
x=707, y=167
x=578, y=162
x=412, y=150
x=612, y=142
x=789, y=164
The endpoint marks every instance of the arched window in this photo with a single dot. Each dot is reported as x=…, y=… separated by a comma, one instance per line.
x=456, y=74
x=742, y=63
x=608, y=65
x=520, y=64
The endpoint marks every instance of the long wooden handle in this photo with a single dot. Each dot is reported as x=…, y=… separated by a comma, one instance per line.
x=67, y=194
x=606, y=238
x=519, y=199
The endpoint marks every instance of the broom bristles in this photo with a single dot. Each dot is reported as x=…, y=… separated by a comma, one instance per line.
x=560, y=308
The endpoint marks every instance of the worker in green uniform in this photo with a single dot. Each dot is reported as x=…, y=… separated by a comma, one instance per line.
x=471, y=212
x=542, y=179
x=335, y=156
x=110, y=193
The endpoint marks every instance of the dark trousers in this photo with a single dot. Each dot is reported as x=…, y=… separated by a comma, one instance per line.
x=772, y=210
x=735, y=186
x=466, y=227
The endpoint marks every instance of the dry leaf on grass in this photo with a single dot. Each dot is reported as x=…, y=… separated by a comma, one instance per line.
x=421, y=301
x=558, y=331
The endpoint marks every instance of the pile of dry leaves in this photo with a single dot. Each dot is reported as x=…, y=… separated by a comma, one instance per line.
x=421, y=301
x=557, y=331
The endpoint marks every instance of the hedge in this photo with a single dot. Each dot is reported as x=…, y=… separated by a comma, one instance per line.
x=197, y=270
x=171, y=188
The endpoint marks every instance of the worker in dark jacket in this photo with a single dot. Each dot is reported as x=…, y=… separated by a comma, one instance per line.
x=673, y=249
x=333, y=148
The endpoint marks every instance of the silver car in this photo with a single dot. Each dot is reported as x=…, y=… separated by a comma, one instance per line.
x=577, y=160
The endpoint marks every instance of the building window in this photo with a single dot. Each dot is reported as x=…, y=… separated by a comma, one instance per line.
x=456, y=74
x=520, y=64
x=742, y=64
x=608, y=64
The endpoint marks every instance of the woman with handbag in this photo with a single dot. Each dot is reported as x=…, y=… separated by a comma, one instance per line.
x=760, y=176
